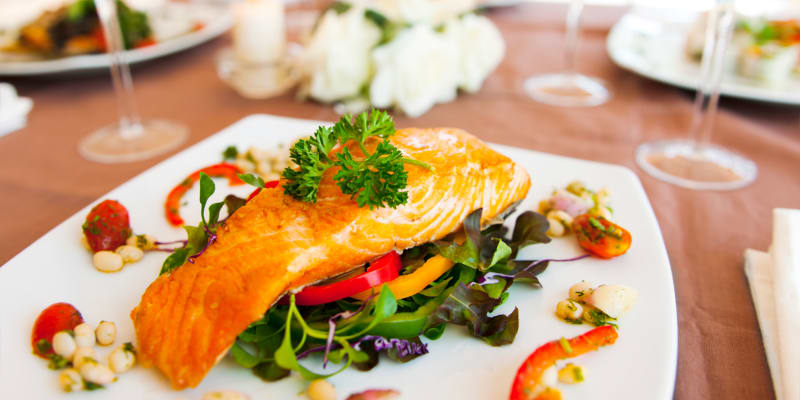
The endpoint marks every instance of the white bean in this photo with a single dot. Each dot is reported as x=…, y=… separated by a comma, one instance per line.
x=320, y=389
x=70, y=380
x=107, y=261
x=97, y=373
x=263, y=168
x=64, y=345
x=142, y=241
x=569, y=310
x=121, y=360
x=85, y=243
x=614, y=300
x=83, y=355
x=560, y=223
x=106, y=332
x=84, y=335
x=576, y=187
x=580, y=291
x=245, y=165
x=602, y=197
x=600, y=211
x=224, y=395
x=571, y=374
x=556, y=229
x=130, y=254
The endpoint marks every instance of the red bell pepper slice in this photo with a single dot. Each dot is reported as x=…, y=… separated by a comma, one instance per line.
x=381, y=270
x=268, y=185
x=530, y=372
x=173, y=203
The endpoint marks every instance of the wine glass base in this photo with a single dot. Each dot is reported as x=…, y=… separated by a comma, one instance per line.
x=687, y=164
x=567, y=90
x=109, y=145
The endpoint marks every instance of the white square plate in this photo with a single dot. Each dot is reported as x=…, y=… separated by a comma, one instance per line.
x=640, y=365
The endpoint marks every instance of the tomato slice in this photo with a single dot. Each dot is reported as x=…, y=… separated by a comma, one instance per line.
x=267, y=185
x=173, y=203
x=381, y=270
x=413, y=283
x=53, y=319
x=600, y=236
x=107, y=226
x=530, y=372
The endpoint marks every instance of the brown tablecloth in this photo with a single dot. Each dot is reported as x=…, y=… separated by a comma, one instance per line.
x=43, y=180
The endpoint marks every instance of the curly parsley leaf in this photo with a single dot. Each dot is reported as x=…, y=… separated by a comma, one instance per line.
x=373, y=179
x=376, y=181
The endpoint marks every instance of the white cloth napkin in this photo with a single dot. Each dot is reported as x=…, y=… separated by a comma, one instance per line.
x=775, y=286
x=13, y=109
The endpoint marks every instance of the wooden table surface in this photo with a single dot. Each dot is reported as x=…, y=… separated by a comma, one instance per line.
x=43, y=180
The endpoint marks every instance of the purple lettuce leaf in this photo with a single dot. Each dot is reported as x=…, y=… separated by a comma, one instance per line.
x=471, y=307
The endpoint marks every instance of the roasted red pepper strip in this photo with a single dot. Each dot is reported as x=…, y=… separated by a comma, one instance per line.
x=530, y=373
x=268, y=185
x=173, y=203
x=381, y=270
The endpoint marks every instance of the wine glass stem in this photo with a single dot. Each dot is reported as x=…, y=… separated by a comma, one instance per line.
x=129, y=121
x=718, y=34
x=573, y=34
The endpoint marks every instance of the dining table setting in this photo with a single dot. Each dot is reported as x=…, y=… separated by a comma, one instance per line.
x=399, y=199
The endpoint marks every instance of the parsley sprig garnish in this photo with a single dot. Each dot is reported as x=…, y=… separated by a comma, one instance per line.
x=376, y=179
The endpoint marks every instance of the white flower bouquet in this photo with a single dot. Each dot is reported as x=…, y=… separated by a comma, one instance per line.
x=407, y=54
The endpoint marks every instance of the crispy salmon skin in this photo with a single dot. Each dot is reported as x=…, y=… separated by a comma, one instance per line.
x=187, y=320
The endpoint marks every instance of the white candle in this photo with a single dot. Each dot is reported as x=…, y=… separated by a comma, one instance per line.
x=259, y=36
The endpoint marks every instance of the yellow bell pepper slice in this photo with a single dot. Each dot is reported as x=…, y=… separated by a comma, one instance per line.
x=408, y=285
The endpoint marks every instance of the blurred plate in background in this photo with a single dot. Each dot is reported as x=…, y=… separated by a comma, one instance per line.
x=652, y=44
x=172, y=25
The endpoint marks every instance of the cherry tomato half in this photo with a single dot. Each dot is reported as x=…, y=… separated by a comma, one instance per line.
x=107, y=226
x=53, y=319
x=381, y=270
x=600, y=236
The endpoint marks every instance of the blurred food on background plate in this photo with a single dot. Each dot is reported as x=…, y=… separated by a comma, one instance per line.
x=765, y=50
x=57, y=28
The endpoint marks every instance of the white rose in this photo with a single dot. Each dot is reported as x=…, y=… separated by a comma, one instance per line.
x=481, y=48
x=429, y=11
x=414, y=71
x=337, y=62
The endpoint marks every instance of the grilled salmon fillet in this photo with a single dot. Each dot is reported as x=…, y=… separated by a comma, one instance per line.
x=188, y=319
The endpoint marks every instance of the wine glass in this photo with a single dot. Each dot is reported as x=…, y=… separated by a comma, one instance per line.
x=568, y=88
x=131, y=138
x=694, y=162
